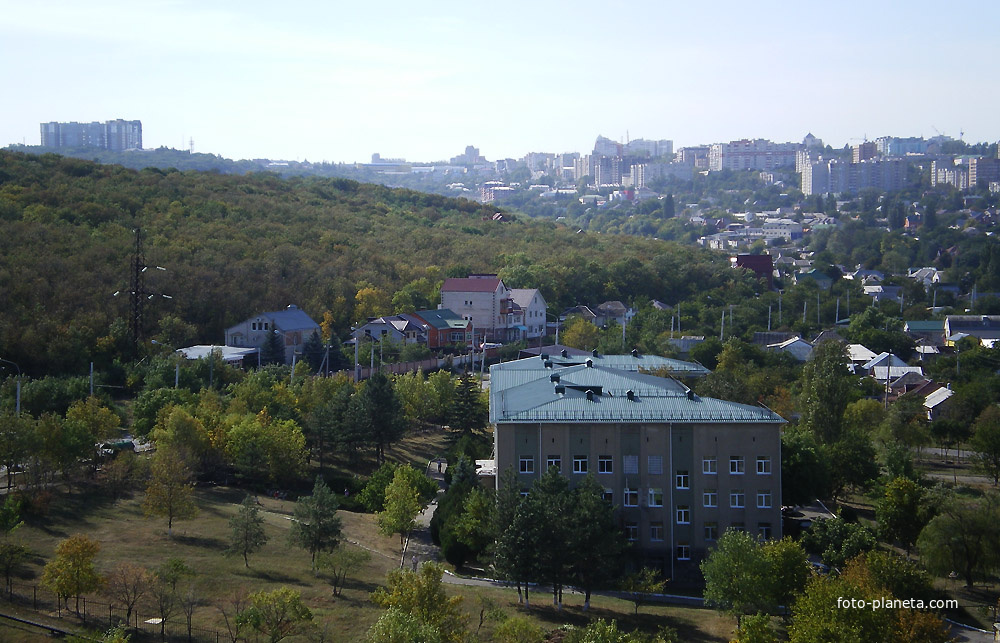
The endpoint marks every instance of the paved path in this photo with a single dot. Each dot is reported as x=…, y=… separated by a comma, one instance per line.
x=420, y=544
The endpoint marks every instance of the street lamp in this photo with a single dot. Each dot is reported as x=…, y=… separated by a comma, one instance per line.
x=17, y=403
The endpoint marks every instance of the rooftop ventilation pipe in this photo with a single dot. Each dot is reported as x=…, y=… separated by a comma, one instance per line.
x=590, y=363
x=548, y=364
x=635, y=352
x=595, y=352
x=630, y=394
x=554, y=377
x=590, y=395
x=565, y=353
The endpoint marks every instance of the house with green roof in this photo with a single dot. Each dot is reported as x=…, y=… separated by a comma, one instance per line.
x=444, y=327
x=680, y=468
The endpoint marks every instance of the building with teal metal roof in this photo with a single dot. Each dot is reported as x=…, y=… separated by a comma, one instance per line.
x=681, y=468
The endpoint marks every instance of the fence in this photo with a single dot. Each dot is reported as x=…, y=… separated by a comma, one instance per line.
x=429, y=364
x=97, y=614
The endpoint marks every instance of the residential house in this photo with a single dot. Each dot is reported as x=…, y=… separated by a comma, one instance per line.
x=760, y=265
x=579, y=311
x=533, y=309
x=881, y=292
x=821, y=279
x=613, y=311
x=925, y=332
x=401, y=329
x=985, y=328
x=444, y=327
x=886, y=367
x=292, y=325
x=487, y=303
x=681, y=468
x=937, y=403
x=797, y=347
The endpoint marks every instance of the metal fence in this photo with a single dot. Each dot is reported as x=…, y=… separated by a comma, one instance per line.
x=97, y=614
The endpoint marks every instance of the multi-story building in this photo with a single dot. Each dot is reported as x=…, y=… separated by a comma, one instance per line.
x=649, y=148
x=533, y=308
x=486, y=302
x=695, y=156
x=983, y=171
x=948, y=173
x=758, y=154
x=117, y=135
x=644, y=173
x=680, y=468
x=838, y=177
x=895, y=146
x=863, y=151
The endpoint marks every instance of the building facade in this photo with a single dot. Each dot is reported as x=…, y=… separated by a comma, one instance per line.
x=679, y=468
x=117, y=135
x=292, y=325
x=757, y=154
x=486, y=302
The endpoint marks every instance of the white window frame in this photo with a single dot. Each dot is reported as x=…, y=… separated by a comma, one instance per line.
x=683, y=551
x=683, y=515
x=605, y=464
x=737, y=499
x=764, y=530
x=631, y=497
x=580, y=463
x=710, y=466
x=714, y=534
x=710, y=498
x=608, y=495
x=763, y=465
x=527, y=464
x=632, y=531
x=655, y=496
x=682, y=479
x=653, y=528
x=764, y=499
x=553, y=461
x=737, y=465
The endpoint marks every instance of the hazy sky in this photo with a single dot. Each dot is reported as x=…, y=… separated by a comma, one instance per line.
x=339, y=80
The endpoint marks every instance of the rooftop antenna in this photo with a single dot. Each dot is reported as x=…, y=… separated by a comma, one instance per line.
x=191, y=145
x=138, y=295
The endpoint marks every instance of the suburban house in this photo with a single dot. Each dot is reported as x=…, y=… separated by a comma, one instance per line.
x=533, y=308
x=401, y=329
x=985, y=328
x=937, y=403
x=797, y=347
x=613, y=311
x=444, y=327
x=681, y=468
x=929, y=333
x=886, y=367
x=292, y=325
x=760, y=265
x=487, y=303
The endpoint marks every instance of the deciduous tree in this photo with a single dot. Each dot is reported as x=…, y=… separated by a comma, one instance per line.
x=402, y=505
x=277, y=614
x=72, y=572
x=247, y=535
x=170, y=492
x=421, y=594
x=316, y=526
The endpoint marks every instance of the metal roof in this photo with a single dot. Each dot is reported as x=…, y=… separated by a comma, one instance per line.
x=634, y=362
x=470, y=284
x=442, y=318
x=291, y=318
x=524, y=391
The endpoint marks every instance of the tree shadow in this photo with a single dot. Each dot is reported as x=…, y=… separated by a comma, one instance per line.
x=206, y=542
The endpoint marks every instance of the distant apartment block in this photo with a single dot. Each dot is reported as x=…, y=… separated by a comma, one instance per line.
x=649, y=149
x=838, y=177
x=495, y=192
x=695, y=156
x=644, y=173
x=863, y=152
x=117, y=135
x=948, y=173
x=895, y=146
x=757, y=154
x=983, y=171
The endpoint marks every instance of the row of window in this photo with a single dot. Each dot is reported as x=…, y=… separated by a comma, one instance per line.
x=656, y=534
x=710, y=499
x=260, y=326
x=654, y=466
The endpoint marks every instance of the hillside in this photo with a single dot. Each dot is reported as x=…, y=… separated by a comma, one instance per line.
x=234, y=245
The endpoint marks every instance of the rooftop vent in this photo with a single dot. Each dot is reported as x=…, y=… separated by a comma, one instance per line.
x=548, y=363
x=635, y=352
x=590, y=395
x=690, y=394
x=595, y=352
x=590, y=363
x=554, y=377
x=565, y=353
x=560, y=389
x=544, y=356
x=630, y=394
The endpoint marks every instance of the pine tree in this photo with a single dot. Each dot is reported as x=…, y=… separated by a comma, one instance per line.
x=313, y=351
x=468, y=411
x=247, y=530
x=316, y=526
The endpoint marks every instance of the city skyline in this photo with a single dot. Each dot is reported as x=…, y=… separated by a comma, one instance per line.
x=317, y=82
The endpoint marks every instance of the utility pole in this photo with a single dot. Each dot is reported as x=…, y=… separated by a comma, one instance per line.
x=138, y=295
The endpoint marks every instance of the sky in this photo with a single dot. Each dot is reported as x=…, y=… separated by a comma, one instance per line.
x=337, y=81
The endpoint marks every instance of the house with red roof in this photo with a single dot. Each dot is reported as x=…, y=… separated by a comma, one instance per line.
x=484, y=300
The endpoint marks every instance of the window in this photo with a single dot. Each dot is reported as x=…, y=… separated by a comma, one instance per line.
x=736, y=465
x=631, y=464
x=253, y=325
x=656, y=531
x=655, y=464
x=763, y=465
x=736, y=498
x=710, y=498
x=631, y=497
x=527, y=464
x=683, y=551
x=609, y=495
x=632, y=531
x=708, y=466
x=553, y=461
x=604, y=464
x=267, y=326
x=655, y=497
x=738, y=526
x=683, y=515
x=579, y=464
x=683, y=480
x=711, y=531
x=764, y=499
x=764, y=529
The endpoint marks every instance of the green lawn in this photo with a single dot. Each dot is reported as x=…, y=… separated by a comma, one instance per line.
x=126, y=535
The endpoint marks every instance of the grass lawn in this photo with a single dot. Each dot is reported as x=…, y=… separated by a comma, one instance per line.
x=126, y=535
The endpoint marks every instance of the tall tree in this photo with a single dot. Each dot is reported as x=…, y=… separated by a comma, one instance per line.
x=596, y=540
x=127, y=583
x=963, y=537
x=316, y=526
x=469, y=412
x=377, y=412
x=247, y=534
x=170, y=492
x=901, y=512
x=402, y=505
x=421, y=594
x=72, y=572
x=737, y=576
x=985, y=442
x=827, y=389
x=313, y=351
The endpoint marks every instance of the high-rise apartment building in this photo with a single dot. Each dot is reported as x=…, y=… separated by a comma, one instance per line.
x=117, y=135
x=758, y=154
x=838, y=177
